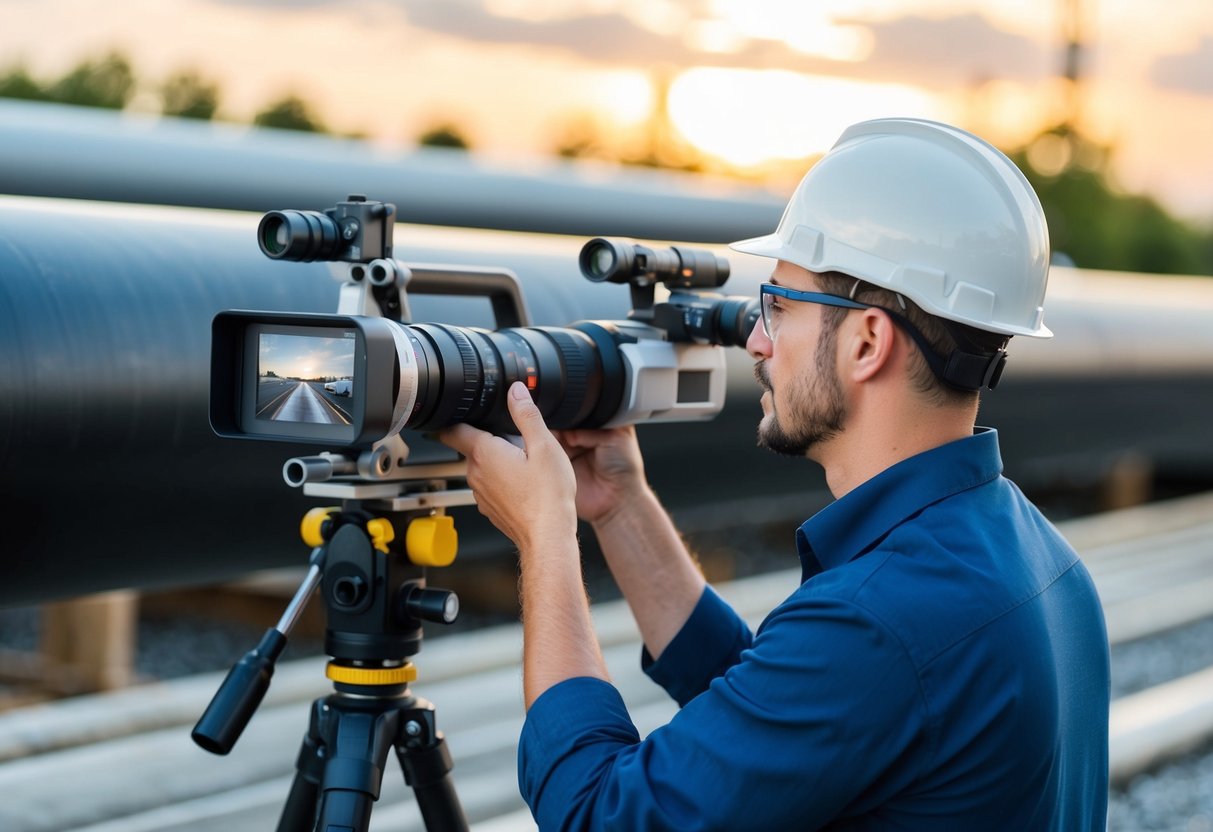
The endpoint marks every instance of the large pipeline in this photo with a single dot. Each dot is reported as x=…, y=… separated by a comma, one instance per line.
x=111, y=476
x=88, y=153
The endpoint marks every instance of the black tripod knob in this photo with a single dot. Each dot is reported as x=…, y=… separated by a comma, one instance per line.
x=440, y=606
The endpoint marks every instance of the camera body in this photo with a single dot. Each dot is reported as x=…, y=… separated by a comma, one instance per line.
x=357, y=380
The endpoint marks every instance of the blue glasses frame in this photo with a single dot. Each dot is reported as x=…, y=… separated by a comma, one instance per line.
x=963, y=370
x=769, y=291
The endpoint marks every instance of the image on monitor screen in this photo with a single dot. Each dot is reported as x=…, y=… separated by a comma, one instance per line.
x=305, y=378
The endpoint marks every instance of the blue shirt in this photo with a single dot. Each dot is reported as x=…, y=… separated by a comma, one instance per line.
x=943, y=666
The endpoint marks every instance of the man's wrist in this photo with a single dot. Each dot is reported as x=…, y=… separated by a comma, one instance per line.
x=552, y=537
x=634, y=500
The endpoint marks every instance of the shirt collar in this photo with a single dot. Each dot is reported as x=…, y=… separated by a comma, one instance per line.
x=849, y=526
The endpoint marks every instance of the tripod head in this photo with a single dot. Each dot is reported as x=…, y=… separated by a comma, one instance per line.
x=374, y=590
x=376, y=599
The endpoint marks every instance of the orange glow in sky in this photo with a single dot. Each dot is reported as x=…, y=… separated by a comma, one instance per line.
x=747, y=117
x=746, y=81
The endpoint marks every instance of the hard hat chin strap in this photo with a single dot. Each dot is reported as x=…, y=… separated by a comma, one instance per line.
x=972, y=365
x=968, y=367
x=969, y=371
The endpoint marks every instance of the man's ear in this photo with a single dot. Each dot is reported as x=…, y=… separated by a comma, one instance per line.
x=871, y=345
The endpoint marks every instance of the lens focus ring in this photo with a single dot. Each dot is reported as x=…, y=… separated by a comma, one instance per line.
x=573, y=403
x=471, y=374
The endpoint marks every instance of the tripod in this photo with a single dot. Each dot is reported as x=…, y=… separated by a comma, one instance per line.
x=376, y=600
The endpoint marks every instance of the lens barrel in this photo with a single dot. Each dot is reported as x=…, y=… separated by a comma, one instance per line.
x=733, y=320
x=574, y=374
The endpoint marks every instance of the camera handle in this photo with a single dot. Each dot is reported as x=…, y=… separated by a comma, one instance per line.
x=376, y=601
x=380, y=289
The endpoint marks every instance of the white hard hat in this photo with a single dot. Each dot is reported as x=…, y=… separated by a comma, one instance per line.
x=926, y=210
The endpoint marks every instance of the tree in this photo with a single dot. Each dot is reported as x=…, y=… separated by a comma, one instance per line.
x=290, y=113
x=108, y=82
x=444, y=135
x=1100, y=227
x=18, y=84
x=187, y=95
x=581, y=138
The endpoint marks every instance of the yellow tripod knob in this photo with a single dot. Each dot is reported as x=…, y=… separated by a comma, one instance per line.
x=312, y=525
x=432, y=541
x=381, y=533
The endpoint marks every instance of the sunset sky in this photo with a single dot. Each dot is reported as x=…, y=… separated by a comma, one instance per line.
x=748, y=80
x=292, y=356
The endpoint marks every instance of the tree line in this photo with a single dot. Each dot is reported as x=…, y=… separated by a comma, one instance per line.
x=1092, y=222
x=109, y=82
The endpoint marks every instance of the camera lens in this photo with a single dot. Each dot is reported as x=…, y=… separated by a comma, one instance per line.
x=298, y=235
x=602, y=261
x=607, y=260
x=734, y=320
x=574, y=374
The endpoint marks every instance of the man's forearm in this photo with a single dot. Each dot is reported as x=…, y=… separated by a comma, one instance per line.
x=649, y=561
x=559, y=642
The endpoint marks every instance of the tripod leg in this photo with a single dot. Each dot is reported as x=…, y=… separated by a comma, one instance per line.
x=300, y=810
x=426, y=762
x=357, y=743
x=299, y=813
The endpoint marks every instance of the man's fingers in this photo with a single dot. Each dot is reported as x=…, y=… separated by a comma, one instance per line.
x=526, y=415
x=461, y=437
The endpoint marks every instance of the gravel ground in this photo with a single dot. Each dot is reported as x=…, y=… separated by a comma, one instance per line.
x=1175, y=798
x=1147, y=662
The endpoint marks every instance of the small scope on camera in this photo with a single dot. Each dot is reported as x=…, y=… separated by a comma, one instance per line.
x=355, y=231
x=678, y=267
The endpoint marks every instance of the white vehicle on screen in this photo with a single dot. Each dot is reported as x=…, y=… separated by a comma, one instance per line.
x=341, y=387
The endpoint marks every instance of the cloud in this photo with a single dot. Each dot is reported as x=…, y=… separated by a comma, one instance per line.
x=929, y=51
x=607, y=38
x=952, y=50
x=1188, y=71
x=942, y=51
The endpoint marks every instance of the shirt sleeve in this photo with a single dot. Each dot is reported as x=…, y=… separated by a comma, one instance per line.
x=822, y=715
x=709, y=643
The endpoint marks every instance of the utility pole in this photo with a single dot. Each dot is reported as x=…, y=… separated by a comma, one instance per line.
x=1072, y=31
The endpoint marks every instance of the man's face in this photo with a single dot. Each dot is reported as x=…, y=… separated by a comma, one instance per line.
x=803, y=404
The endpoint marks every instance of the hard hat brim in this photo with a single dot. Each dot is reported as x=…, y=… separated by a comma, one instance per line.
x=768, y=245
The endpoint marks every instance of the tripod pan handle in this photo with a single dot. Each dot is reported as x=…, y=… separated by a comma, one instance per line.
x=238, y=697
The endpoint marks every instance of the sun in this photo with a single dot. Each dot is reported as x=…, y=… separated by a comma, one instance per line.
x=748, y=117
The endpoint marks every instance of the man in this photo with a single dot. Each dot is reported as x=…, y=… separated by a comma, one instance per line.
x=944, y=664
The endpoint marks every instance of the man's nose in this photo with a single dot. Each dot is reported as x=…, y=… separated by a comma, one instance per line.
x=758, y=345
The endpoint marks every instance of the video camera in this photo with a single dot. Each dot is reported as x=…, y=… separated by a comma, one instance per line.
x=358, y=378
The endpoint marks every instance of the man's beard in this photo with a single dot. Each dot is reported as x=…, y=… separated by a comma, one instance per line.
x=817, y=410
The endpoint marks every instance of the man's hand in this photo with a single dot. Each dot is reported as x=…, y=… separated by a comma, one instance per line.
x=609, y=468
x=527, y=493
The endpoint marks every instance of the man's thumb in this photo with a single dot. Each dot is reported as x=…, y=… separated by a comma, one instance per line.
x=525, y=413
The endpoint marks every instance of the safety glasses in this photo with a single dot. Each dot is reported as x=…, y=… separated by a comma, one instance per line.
x=772, y=295
x=960, y=369
x=771, y=312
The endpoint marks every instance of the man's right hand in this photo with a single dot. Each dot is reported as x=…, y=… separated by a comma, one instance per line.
x=644, y=551
x=609, y=468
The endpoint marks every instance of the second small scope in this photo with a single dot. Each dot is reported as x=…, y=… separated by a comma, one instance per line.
x=678, y=267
